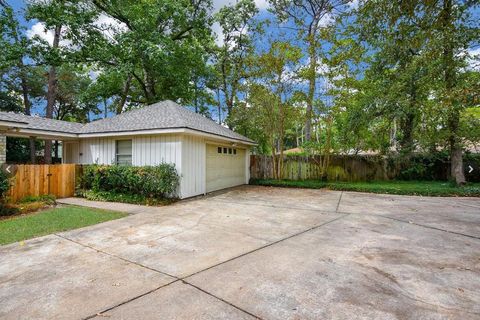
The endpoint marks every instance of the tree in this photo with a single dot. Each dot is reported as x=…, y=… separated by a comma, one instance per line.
x=396, y=65
x=452, y=33
x=271, y=96
x=158, y=48
x=230, y=59
x=69, y=21
x=15, y=73
x=309, y=18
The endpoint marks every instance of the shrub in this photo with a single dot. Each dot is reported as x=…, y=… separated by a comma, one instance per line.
x=125, y=198
x=4, y=183
x=5, y=209
x=48, y=199
x=149, y=181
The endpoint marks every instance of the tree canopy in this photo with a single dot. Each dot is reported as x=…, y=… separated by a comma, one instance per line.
x=329, y=76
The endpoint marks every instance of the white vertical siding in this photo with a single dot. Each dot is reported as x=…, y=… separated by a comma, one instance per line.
x=146, y=150
x=193, y=166
x=247, y=166
x=155, y=149
x=70, y=152
x=188, y=153
x=97, y=150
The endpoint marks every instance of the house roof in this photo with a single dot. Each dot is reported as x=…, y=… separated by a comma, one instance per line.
x=162, y=115
x=39, y=123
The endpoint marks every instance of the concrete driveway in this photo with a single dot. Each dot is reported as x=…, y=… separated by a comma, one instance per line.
x=256, y=252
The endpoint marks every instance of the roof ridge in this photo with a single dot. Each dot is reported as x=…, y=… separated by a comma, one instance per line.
x=166, y=114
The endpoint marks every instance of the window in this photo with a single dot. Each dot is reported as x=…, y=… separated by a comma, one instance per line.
x=219, y=149
x=229, y=150
x=124, y=152
x=224, y=150
x=234, y=151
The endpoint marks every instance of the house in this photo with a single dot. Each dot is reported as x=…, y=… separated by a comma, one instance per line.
x=207, y=156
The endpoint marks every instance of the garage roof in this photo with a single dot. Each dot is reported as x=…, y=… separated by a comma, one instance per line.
x=39, y=123
x=162, y=115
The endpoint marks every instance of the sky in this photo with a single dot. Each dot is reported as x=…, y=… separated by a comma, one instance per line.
x=34, y=27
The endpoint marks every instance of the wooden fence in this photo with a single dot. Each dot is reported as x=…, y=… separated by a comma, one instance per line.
x=340, y=168
x=36, y=180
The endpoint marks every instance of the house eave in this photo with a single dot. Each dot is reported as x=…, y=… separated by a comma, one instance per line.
x=40, y=134
x=58, y=135
x=182, y=130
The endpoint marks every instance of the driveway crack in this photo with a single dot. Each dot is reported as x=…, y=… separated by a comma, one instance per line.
x=114, y=256
x=339, y=199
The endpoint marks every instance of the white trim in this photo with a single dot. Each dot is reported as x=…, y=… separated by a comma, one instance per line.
x=129, y=133
x=13, y=124
x=61, y=135
x=163, y=131
x=41, y=134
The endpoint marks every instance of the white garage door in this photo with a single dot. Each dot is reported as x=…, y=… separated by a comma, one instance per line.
x=225, y=167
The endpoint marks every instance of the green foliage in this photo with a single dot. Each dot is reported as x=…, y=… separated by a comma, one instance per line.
x=50, y=221
x=111, y=196
x=4, y=184
x=159, y=181
x=5, y=209
x=424, y=188
x=46, y=198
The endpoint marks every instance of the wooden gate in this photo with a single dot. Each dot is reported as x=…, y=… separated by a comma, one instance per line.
x=36, y=180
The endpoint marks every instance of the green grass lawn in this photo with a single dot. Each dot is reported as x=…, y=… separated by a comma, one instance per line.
x=50, y=221
x=424, y=188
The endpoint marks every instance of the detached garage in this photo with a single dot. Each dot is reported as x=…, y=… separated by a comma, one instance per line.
x=207, y=156
x=226, y=166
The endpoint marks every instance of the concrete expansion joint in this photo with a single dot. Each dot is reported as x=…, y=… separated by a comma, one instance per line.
x=279, y=207
x=224, y=301
x=101, y=313
x=429, y=227
x=339, y=200
x=182, y=279
x=114, y=256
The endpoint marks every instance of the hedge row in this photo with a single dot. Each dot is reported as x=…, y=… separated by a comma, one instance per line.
x=159, y=181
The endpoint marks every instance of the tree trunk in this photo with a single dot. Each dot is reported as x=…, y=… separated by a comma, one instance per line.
x=407, y=129
x=27, y=105
x=219, y=106
x=51, y=94
x=274, y=162
x=33, y=152
x=456, y=159
x=123, y=99
x=150, y=94
x=55, y=149
x=229, y=104
x=311, y=85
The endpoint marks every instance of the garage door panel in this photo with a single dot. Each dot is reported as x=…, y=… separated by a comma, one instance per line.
x=224, y=170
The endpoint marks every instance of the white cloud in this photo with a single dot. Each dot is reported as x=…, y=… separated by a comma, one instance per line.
x=261, y=4
x=217, y=4
x=39, y=29
x=109, y=26
x=217, y=30
x=93, y=74
x=326, y=20
x=353, y=4
x=474, y=59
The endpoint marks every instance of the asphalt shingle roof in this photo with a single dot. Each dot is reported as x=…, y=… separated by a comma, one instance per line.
x=39, y=123
x=162, y=115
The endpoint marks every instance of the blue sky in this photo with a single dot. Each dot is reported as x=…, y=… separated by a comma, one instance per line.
x=35, y=28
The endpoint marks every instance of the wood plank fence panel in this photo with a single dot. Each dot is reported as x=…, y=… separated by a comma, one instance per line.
x=340, y=168
x=37, y=180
